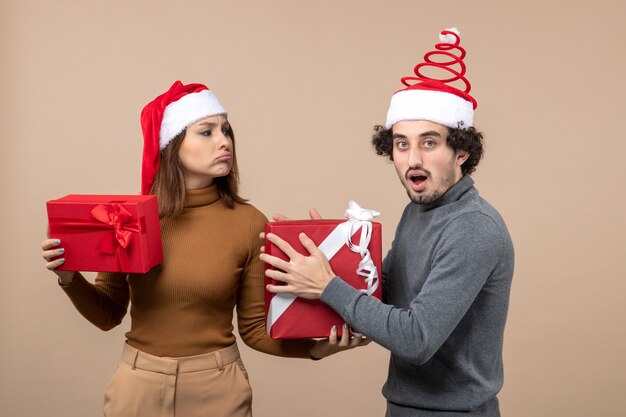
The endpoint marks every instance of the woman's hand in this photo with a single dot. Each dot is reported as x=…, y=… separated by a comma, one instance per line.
x=50, y=252
x=330, y=346
x=313, y=214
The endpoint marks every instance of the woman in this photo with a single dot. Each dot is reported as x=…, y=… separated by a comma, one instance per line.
x=180, y=355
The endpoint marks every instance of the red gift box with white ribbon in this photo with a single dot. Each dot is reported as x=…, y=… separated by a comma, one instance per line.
x=354, y=250
x=107, y=233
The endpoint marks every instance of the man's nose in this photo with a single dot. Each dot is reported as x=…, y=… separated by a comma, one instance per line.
x=415, y=157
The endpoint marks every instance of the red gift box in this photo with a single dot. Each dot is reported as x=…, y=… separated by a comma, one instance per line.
x=107, y=233
x=290, y=317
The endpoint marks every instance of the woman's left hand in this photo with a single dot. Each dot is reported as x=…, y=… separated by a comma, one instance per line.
x=330, y=346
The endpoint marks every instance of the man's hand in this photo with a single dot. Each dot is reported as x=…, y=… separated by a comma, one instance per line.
x=305, y=276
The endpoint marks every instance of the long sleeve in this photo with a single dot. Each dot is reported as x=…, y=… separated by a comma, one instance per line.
x=251, y=304
x=447, y=282
x=104, y=303
x=185, y=305
x=385, y=272
x=464, y=260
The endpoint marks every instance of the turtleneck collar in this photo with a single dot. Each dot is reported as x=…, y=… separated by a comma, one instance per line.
x=201, y=196
x=453, y=194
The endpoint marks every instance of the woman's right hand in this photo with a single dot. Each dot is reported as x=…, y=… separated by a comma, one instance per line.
x=313, y=214
x=51, y=251
x=326, y=347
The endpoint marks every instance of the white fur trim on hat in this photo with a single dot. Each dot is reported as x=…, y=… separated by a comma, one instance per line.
x=435, y=106
x=178, y=115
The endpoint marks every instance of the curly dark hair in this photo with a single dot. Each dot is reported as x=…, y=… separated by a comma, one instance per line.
x=468, y=139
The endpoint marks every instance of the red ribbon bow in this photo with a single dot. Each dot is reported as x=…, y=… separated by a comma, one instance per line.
x=123, y=223
x=113, y=216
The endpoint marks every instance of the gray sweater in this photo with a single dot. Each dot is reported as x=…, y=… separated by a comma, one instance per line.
x=446, y=285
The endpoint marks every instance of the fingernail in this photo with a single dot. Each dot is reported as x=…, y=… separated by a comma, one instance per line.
x=57, y=242
x=334, y=329
x=62, y=260
x=345, y=326
x=61, y=250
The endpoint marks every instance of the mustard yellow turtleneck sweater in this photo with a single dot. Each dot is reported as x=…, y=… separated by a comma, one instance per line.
x=184, y=306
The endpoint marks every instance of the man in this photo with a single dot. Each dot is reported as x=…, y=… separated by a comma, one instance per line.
x=447, y=277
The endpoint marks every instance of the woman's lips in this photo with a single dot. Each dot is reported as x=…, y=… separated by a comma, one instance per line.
x=224, y=158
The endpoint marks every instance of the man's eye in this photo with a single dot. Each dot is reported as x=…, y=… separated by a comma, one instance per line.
x=401, y=144
x=429, y=143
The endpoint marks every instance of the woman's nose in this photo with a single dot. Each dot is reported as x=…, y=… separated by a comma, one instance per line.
x=224, y=141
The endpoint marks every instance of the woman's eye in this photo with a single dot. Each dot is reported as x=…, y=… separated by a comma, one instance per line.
x=206, y=133
x=227, y=132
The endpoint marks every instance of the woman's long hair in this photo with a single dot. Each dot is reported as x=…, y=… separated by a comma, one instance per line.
x=169, y=182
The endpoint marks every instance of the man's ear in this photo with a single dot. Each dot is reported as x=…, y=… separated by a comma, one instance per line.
x=461, y=157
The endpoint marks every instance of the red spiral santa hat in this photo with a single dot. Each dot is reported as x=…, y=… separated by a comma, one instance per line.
x=166, y=117
x=436, y=99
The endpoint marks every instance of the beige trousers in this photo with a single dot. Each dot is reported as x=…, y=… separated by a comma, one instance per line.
x=214, y=384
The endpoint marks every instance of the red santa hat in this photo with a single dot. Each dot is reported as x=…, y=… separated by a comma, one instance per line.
x=433, y=99
x=167, y=116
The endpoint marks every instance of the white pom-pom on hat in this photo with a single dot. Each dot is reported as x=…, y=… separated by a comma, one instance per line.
x=449, y=38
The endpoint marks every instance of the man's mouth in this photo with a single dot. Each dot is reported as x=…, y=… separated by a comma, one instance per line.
x=417, y=180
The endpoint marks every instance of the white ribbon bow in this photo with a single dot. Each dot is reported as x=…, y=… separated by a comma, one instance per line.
x=358, y=218
x=356, y=212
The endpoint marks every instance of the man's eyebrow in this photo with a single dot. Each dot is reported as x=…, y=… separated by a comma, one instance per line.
x=422, y=135
x=430, y=133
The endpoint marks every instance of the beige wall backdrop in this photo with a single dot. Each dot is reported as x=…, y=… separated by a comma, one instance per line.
x=305, y=82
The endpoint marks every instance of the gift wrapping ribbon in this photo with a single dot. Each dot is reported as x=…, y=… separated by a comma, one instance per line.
x=112, y=216
x=358, y=218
